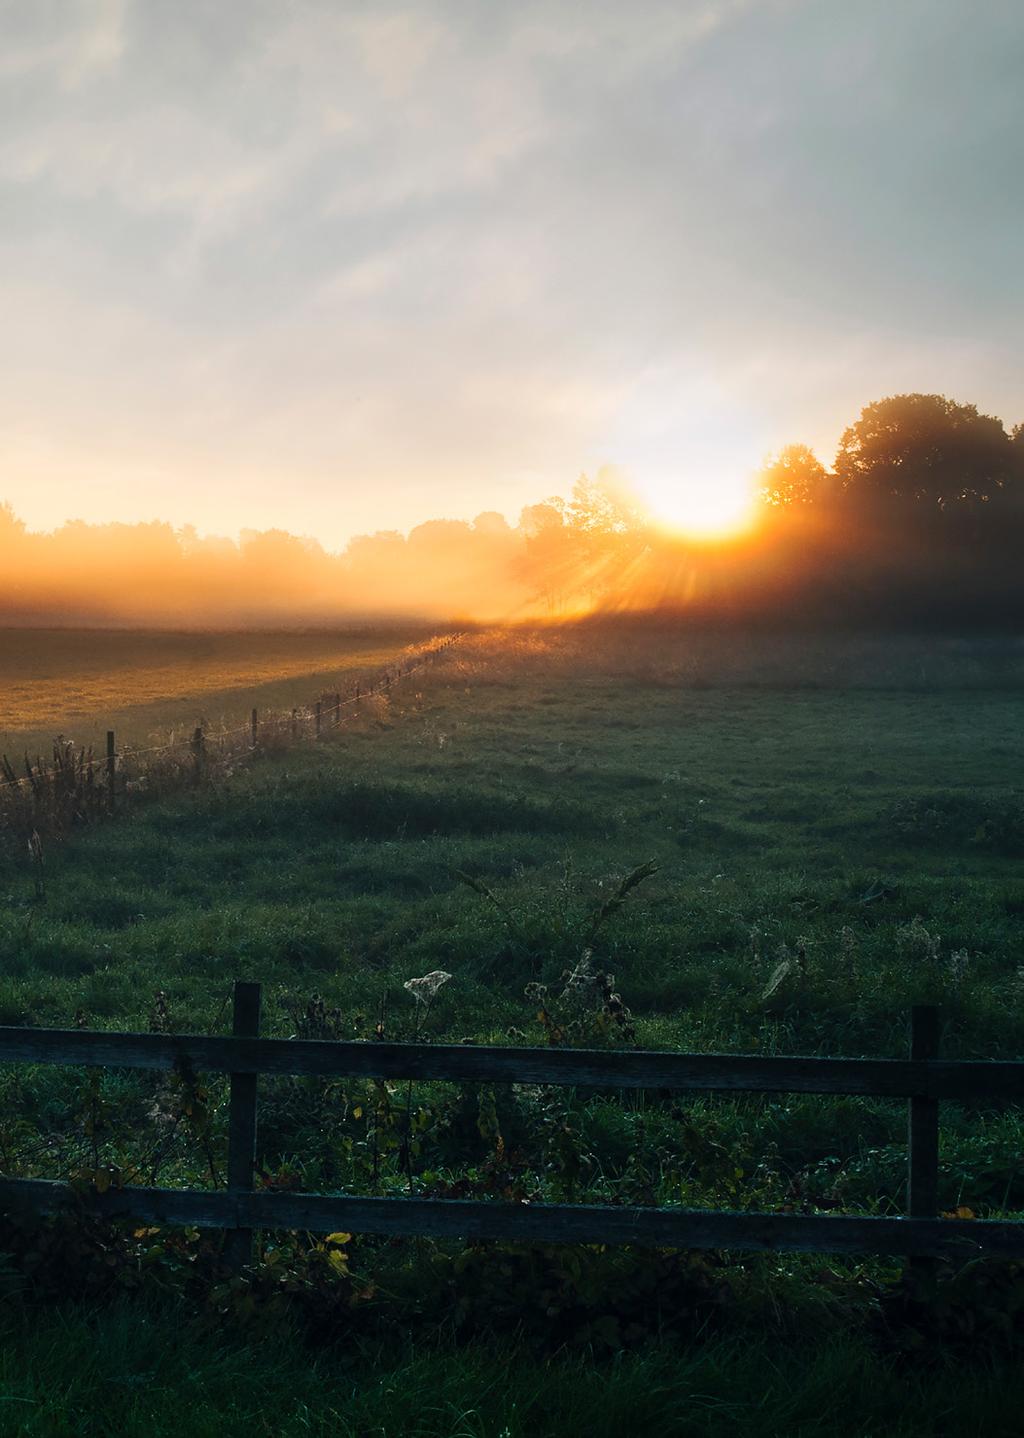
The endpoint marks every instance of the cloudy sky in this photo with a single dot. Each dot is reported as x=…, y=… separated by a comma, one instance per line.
x=337, y=267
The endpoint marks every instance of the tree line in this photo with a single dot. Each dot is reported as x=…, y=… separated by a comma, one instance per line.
x=919, y=520
x=919, y=449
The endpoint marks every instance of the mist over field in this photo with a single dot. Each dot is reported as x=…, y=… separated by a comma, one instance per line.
x=920, y=520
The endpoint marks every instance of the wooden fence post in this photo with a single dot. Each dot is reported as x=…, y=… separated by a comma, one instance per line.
x=111, y=769
x=923, y=1128
x=319, y=708
x=198, y=747
x=255, y=723
x=237, y=1211
x=242, y=1121
x=337, y=709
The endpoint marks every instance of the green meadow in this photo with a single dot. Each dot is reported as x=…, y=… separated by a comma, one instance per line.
x=755, y=844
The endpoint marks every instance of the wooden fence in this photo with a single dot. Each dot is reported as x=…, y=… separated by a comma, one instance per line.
x=923, y=1079
x=90, y=785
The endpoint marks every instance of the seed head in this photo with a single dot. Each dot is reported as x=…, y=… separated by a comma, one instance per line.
x=424, y=990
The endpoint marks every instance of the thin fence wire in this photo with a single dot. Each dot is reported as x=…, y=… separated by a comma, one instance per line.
x=78, y=777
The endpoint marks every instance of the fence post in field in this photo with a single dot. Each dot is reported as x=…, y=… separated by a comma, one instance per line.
x=357, y=694
x=923, y=1128
x=111, y=769
x=198, y=747
x=319, y=709
x=337, y=709
x=242, y=1121
x=255, y=725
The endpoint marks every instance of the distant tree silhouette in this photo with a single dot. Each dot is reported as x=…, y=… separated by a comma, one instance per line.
x=921, y=523
x=439, y=535
x=604, y=505
x=545, y=563
x=537, y=519
x=926, y=448
x=492, y=525
x=794, y=477
x=10, y=524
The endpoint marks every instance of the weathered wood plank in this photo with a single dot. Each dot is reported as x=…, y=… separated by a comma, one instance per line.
x=242, y=1118
x=527, y=1223
x=465, y=1063
x=898, y=1078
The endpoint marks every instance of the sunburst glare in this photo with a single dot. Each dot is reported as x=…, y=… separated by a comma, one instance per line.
x=707, y=507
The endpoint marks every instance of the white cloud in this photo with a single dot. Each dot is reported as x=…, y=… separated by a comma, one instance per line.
x=390, y=249
x=74, y=43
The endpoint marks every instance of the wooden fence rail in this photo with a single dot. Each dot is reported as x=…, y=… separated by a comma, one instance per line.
x=922, y=1080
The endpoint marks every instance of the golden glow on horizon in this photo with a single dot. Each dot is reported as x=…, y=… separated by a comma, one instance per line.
x=713, y=508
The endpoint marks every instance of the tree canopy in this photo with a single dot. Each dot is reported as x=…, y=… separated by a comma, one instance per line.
x=928, y=448
x=794, y=476
x=923, y=516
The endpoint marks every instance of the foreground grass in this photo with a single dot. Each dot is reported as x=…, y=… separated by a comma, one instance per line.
x=143, y=1372
x=866, y=839
x=862, y=837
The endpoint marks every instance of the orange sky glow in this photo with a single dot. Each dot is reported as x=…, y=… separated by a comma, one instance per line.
x=336, y=269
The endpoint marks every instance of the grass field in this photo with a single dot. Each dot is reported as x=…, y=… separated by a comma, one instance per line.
x=146, y=685
x=132, y=1370
x=838, y=833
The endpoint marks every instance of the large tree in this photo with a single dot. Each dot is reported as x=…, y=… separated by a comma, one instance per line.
x=794, y=477
x=927, y=448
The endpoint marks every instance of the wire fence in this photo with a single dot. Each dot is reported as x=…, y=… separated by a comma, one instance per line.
x=77, y=785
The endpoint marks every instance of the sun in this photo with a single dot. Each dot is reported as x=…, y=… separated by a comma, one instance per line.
x=715, y=507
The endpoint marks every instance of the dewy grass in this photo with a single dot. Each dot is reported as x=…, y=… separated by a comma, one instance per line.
x=789, y=825
x=145, y=1372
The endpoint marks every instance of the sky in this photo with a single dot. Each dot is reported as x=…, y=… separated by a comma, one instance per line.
x=341, y=267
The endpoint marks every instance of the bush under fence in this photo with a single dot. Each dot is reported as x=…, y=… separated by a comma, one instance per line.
x=923, y=1079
